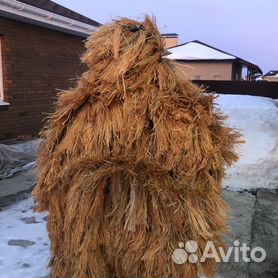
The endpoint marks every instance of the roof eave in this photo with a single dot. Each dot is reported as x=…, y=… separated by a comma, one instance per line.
x=26, y=13
x=250, y=65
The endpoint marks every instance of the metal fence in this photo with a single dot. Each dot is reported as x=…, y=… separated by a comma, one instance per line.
x=253, y=88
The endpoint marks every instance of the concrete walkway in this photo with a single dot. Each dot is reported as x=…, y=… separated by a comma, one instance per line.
x=254, y=221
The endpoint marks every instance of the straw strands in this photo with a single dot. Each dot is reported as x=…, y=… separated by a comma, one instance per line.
x=132, y=162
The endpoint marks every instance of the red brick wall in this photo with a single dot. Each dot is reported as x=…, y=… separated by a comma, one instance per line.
x=37, y=63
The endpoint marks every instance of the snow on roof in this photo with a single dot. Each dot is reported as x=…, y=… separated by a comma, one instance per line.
x=197, y=51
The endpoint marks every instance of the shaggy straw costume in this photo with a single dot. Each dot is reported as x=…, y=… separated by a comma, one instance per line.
x=132, y=163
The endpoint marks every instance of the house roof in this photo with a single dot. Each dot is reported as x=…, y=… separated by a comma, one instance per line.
x=60, y=10
x=271, y=73
x=48, y=14
x=199, y=51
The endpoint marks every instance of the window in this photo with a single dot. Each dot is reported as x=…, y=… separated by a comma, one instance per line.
x=1, y=75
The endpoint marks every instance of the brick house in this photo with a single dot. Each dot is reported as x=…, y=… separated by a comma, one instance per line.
x=40, y=47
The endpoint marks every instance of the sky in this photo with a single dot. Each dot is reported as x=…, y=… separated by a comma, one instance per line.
x=245, y=28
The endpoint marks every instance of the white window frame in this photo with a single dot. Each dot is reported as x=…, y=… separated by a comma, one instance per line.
x=1, y=74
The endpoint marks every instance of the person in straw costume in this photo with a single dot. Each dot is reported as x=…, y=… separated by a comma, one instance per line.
x=132, y=162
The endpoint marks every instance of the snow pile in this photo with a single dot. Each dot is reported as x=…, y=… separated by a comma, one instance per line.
x=257, y=120
x=24, y=243
x=17, y=157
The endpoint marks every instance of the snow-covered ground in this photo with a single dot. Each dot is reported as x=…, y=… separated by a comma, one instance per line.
x=24, y=244
x=257, y=120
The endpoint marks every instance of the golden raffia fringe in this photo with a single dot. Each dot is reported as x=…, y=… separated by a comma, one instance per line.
x=132, y=162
